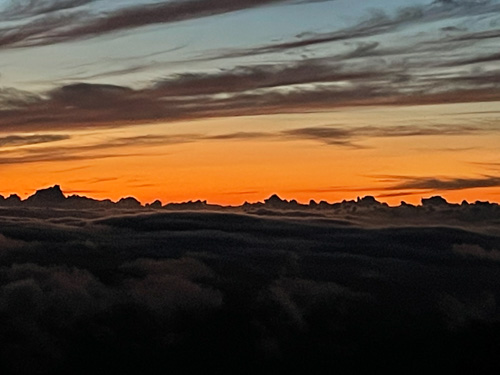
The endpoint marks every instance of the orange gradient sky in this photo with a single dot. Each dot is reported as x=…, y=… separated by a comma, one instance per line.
x=233, y=101
x=203, y=160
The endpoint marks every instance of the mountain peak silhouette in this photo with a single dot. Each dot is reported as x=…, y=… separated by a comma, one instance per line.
x=49, y=196
x=368, y=200
x=129, y=202
x=434, y=201
x=275, y=201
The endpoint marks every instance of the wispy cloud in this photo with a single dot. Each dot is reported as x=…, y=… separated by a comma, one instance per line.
x=398, y=194
x=105, y=149
x=23, y=140
x=11, y=98
x=29, y=8
x=422, y=71
x=56, y=28
x=474, y=60
x=328, y=135
x=381, y=23
x=340, y=136
x=245, y=78
x=91, y=105
x=442, y=184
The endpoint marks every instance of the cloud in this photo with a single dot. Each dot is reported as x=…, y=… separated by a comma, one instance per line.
x=399, y=194
x=370, y=74
x=35, y=32
x=246, y=78
x=380, y=23
x=343, y=136
x=101, y=150
x=159, y=288
x=477, y=252
x=347, y=135
x=298, y=298
x=73, y=290
x=239, y=136
x=433, y=183
x=247, y=91
x=85, y=103
x=29, y=8
x=169, y=294
x=189, y=268
x=475, y=60
x=11, y=98
x=459, y=312
x=328, y=135
x=475, y=36
x=49, y=155
x=56, y=28
x=23, y=140
x=7, y=244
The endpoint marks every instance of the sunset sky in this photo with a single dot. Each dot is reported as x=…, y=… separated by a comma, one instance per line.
x=234, y=100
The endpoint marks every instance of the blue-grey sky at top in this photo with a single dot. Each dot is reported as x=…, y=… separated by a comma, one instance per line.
x=224, y=57
x=141, y=47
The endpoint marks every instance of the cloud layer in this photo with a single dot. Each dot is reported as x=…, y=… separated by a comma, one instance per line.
x=90, y=289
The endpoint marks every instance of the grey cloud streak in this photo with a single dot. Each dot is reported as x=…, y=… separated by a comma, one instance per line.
x=244, y=78
x=23, y=140
x=193, y=96
x=91, y=105
x=380, y=23
x=57, y=28
x=369, y=74
x=432, y=183
x=341, y=136
x=474, y=60
x=19, y=9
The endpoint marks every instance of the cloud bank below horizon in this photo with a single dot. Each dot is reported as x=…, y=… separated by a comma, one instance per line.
x=105, y=289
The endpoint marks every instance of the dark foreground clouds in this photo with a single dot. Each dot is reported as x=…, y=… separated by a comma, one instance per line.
x=255, y=289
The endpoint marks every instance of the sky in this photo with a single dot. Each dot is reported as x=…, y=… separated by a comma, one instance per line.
x=234, y=100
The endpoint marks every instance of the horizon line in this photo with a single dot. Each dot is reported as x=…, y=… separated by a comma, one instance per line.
x=359, y=198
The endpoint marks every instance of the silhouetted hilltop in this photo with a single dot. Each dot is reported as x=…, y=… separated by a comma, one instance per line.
x=11, y=201
x=274, y=201
x=77, y=201
x=155, y=204
x=435, y=201
x=129, y=202
x=52, y=196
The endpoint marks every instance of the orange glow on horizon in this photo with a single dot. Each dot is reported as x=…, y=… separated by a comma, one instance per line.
x=106, y=164
x=255, y=170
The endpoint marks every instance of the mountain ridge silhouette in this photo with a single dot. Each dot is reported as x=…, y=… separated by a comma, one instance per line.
x=54, y=196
